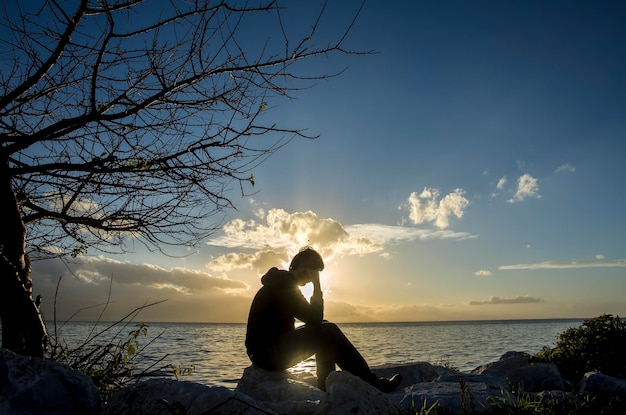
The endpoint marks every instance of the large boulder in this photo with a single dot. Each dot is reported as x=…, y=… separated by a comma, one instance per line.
x=348, y=394
x=454, y=393
x=412, y=373
x=286, y=393
x=281, y=391
x=31, y=386
x=167, y=397
x=598, y=384
x=515, y=367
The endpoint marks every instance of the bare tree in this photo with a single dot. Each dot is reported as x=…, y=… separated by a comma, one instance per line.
x=125, y=121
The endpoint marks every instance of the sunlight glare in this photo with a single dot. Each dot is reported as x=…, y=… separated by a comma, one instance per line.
x=306, y=368
x=325, y=277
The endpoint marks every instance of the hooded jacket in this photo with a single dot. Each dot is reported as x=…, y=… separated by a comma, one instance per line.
x=274, y=309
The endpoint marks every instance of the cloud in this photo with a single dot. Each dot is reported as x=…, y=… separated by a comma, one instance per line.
x=565, y=168
x=96, y=270
x=566, y=265
x=94, y=285
x=426, y=207
x=599, y=256
x=344, y=312
x=387, y=234
x=527, y=186
x=501, y=183
x=516, y=300
x=280, y=229
x=483, y=273
x=279, y=234
x=91, y=285
x=261, y=261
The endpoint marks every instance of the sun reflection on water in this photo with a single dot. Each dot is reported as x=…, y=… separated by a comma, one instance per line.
x=305, y=368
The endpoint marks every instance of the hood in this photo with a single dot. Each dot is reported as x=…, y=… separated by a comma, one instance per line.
x=277, y=277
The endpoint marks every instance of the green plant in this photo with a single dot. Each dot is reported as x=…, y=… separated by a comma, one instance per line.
x=111, y=356
x=111, y=363
x=445, y=362
x=597, y=345
x=425, y=409
x=467, y=398
x=527, y=404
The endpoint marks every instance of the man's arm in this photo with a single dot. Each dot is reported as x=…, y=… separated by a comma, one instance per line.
x=317, y=299
x=312, y=311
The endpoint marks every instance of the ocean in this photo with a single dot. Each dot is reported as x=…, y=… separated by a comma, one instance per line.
x=217, y=354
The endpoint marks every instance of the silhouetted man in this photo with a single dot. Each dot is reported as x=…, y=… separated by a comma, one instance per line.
x=272, y=341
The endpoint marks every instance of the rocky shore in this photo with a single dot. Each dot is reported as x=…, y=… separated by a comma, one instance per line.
x=30, y=386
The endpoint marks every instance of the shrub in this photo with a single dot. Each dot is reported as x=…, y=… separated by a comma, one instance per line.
x=597, y=345
x=110, y=364
x=570, y=405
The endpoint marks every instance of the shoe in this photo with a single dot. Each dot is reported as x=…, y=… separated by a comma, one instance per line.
x=387, y=385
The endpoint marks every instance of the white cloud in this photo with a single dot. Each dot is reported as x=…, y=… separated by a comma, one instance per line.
x=386, y=234
x=527, y=186
x=566, y=265
x=279, y=229
x=427, y=207
x=565, y=168
x=483, y=273
x=501, y=183
x=280, y=234
x=522, y=299
x=599, y=256
x=261, y=261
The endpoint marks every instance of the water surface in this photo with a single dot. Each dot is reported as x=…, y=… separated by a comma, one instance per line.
x=217, y=352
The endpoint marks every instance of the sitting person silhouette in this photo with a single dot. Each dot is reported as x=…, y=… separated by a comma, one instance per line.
x=274, y=343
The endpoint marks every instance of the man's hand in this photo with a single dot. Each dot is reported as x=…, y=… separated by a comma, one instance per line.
x=315, y=279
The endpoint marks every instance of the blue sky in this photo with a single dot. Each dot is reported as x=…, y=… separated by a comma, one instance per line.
x=472, y=168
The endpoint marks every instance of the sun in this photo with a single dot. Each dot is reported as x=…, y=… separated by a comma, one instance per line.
x=325, y=278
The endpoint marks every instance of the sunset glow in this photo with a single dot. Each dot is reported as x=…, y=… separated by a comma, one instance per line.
x=473, y=168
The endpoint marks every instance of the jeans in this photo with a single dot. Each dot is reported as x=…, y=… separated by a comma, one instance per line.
x=326, y=341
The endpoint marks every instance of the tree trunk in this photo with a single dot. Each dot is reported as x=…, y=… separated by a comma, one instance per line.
x=23, y=330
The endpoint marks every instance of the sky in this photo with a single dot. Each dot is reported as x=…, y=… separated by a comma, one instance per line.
x=472, y=168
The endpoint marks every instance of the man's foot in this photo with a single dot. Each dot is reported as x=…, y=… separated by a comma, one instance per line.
x=387, y=385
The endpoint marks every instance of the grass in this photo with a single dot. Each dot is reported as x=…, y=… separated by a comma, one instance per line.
x=526, y=404
x=111, y=356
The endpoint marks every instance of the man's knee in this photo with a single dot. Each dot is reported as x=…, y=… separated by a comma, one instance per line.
x=330, y=329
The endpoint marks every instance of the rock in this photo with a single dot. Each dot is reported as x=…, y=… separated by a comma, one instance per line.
x=167, y=397
x=280, y=391
x=270, y=386
x=494, y=382
x=32, y=386
x=349, y=394
x=455, y=393
x=508, y=362
x=514, y=367
x=412, y=372
x=35, y=386
x=595, y=383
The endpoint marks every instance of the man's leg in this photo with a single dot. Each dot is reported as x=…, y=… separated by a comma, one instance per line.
x=330, y=347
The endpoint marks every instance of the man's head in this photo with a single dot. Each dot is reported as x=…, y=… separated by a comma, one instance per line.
x=307, y=258
x=306, y=265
